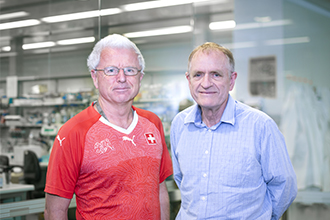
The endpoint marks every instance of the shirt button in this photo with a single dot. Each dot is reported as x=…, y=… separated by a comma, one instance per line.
x=204, y=175
x=203, y=198
x=209, y=130
x=206, y=152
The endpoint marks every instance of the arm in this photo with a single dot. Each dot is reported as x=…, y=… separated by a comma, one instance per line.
x=164, y=201
x=56, y=207
x=278, y=171
x=177, y=175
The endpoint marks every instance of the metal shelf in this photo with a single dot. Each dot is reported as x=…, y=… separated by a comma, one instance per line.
x=54, y=77
x=48, y=104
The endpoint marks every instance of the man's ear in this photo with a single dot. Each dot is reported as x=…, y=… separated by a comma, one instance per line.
x=187, y=75
x=94, y=77
x=233, y=77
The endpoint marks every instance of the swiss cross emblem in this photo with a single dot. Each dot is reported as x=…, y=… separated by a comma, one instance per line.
x=150, y=138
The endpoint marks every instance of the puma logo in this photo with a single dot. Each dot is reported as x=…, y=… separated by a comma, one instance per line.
x=59, y=139
x=129, y=139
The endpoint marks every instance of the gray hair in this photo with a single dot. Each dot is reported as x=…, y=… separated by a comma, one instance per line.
x=211, y=46
x=113, y=41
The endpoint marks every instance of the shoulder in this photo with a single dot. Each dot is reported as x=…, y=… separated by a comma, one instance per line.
x=183, y=119
x=243, y=110
x=83, y=120
x=188, y=112
x=150, y=116
x=251, y=117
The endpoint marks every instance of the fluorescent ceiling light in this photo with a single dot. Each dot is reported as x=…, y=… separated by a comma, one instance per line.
x=263, y=19
x=238, y=45
x=38, y=45
x=262, y=25
x=13, y=15
x=282, y=41
x=221, y=25
x=6, y=48
x=58, y=49
x=60, y=42
x=18, y=24
x=276, y=23
x=110, y=11
x=76, y=41
x=160, y=31
x=156, y=4
x=81, y=15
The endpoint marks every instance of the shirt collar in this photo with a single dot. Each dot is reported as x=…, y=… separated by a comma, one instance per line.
x=228, y=116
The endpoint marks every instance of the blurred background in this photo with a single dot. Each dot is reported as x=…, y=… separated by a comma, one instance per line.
x=281, y=49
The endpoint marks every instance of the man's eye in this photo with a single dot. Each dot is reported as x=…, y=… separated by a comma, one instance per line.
x=197, y=75
x=217, y=75
x=110, y=71
x=129, y=70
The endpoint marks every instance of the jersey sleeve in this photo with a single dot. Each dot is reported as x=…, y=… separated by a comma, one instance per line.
x=67, y=153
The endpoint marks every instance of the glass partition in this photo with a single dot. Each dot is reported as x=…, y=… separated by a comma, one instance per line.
x=45, y=44
x=281, y=49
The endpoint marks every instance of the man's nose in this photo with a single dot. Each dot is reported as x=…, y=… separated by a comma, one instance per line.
x=121, y=77
x=206, y=80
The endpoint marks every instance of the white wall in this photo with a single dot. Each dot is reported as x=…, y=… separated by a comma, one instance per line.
x=255, y=40
x=308, y=60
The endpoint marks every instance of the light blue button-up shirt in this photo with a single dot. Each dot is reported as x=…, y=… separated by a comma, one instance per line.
x=236, y=169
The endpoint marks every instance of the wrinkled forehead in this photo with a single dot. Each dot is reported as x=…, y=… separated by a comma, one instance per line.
x=208, y=56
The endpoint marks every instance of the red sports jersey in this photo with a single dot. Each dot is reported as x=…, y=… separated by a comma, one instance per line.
x=114, y=172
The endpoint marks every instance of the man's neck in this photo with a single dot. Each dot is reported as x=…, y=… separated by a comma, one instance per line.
x=120, y=115
x=211, y=117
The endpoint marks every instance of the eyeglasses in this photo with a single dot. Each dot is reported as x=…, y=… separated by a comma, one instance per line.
x=113, y=71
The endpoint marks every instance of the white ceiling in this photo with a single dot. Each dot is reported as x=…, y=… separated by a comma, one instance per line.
x=119, y=23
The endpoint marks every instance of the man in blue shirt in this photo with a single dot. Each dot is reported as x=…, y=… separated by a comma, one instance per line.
x=230, y=161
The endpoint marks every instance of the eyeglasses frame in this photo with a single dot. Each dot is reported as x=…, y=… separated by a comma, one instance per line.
x=118, y=70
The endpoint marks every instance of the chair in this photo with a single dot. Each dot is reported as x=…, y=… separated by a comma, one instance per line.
x=32, y=174
x=31, y=167
x=4, y=162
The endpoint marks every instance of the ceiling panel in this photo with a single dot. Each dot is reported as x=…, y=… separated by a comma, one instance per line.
x=119, y=23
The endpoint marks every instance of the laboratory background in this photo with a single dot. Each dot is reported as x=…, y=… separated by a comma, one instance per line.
x=282, y=54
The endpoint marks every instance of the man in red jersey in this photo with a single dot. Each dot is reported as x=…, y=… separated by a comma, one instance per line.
x=112, y=155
